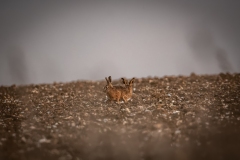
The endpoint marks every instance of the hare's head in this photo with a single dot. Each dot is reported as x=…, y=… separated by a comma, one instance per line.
x=109, y=83
x=125, y=82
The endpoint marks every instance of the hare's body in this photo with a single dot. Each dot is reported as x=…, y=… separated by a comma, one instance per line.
x=114, y=93
x=117, y=93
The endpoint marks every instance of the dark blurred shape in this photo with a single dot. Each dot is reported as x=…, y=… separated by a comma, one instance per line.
x=208, y=53
x=17, y=65
x=202, y=42
x=223, y=62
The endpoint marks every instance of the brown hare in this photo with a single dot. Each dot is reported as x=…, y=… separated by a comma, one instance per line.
x=129, y=88
x=117, y=93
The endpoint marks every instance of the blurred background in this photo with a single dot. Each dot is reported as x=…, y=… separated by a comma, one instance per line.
x=45, y=41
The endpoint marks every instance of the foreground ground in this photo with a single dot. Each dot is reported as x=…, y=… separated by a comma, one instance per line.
x=194, y=117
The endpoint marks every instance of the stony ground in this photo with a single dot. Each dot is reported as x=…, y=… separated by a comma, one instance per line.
x=183, y=117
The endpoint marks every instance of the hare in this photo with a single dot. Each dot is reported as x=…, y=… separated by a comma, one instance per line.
x=129, y=88
x=118, y=92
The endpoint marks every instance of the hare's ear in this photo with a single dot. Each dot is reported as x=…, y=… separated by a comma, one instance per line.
x=107, y=80
x=123, y=81
x=110, y=79
x=131, y=81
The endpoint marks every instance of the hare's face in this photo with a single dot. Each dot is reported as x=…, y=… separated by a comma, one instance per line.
x=105, y=88
x=128, y=85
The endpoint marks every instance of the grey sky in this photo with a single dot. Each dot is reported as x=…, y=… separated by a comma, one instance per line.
x=44, y=41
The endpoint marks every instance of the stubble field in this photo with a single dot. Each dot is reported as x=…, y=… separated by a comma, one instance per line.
x=172, y=117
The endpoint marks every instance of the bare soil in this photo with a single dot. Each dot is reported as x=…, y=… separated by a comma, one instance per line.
x=175, y=117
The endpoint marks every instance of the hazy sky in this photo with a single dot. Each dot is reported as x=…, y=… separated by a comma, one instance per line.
x=43, y=41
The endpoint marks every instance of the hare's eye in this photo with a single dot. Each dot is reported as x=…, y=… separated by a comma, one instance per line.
x=106, y=87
